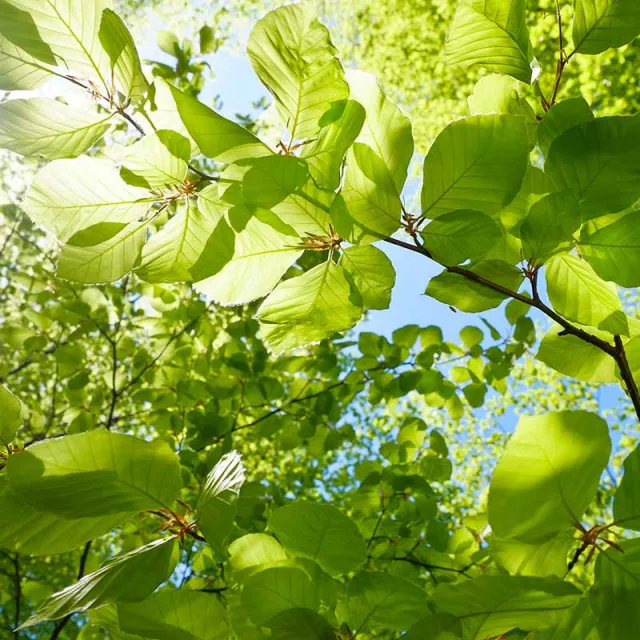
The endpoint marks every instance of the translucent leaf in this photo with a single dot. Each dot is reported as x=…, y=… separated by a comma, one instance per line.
x=320, y=532
x=548, y=474
x=549, y=226
x=129, y=577
x=475, y=163
x=544, y=559
x=262, y=251
x=492, y=35
x=576, y=358
x=377, y=164
x=278, y=589
x=157, y=160
x=49, y=128
x=292, y=54
x=562, y=116
x=108, y=260
x=217, y=137
x=617, y=583
x=613, y=249
x=175, y=615
x=600, y=161
x=373, y=274
x=578, y=623
x=309, y=308
x=460, y=235
x=381, y=600
x=126, y=70
x=577, y=293
x=340, y=127
x=95, y=474
x=626, y=503
x=294, y=624
x=253, y=552
x=60, y=32
x=599, y=25
x=18, y=69
x=489, y=606
x=69, y=195
x=472, y=297
x=169, y=255
x=10, y=411
x=32, y=532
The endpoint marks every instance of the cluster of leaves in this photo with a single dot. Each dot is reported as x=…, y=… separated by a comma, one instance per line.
x=510, y=194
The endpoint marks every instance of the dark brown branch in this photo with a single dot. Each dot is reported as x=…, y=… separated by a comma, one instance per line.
x=626, y=374
x=18, y=596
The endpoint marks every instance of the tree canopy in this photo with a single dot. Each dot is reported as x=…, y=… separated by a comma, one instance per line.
x=198, y=439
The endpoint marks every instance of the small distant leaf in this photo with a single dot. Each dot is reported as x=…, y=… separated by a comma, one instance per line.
x=207, y=39
x=548, y=474
x=49, y=128
x=472, y=297
x=10, y=410
x=129, y=577
x=372, y=273
x=292, y=54
x=320, y=532
x=309, y=308
x=493, y=36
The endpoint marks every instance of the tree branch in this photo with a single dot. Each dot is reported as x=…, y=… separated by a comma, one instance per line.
x=626, y=374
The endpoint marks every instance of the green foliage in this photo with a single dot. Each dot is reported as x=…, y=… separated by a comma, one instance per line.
x=254, y=472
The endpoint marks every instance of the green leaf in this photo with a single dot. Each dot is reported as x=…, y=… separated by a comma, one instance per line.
x=291, y=52
x=320, y=532
x=578, y=623
x=492, y=35
x=129, y=577
x=277, y=589
x=49, y=128
x=18, y=69
x=31, y=532
x=126, y=70
x=576, y=292
x=562, y=116
x=475, y=163
x=617, y=583
x=253, y=552
x=613, y=248
x=373, y=274
x=377, y=599
x=459, y=236
x=600, y=161
x=109, y=259
x=439, y=626
x=549, y=226
x=599, y=25
x=10, y=412
x=157, y=160
x=472, y=297
x=309, y=308
x=69, y=195
x=175, y=615
x=294, y=624
x=170, y=254
x=208, y=41
x=262, y=251
x=548, y=474
x=377, y=164
x=489, y=606
x=340, y=127
x=61, y=33
x=576, y=358
x=95, y=474
x=217, y=137
x=626, y=502
x=216, y=510
x=536, y=559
